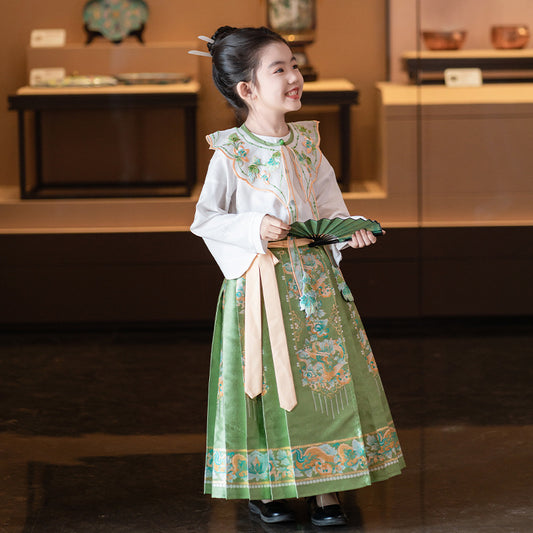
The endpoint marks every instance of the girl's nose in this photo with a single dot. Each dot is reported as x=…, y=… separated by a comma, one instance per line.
x=294, y=75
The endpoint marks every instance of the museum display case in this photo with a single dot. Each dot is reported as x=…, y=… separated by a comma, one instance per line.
x=425, y=110
x=458, y=115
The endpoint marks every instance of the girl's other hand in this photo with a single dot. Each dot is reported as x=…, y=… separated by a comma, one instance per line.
x=273, y=229
x=362, y=238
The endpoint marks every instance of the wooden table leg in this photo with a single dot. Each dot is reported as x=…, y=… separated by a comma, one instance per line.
x=38, y=151
x=345, y=144
x=22, y=153
x=190, y=147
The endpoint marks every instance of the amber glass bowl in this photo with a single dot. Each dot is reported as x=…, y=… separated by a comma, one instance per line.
x=444, y=40
x=510, y=36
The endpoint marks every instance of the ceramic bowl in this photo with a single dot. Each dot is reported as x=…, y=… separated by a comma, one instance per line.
x=510, y=36
x=444, y=40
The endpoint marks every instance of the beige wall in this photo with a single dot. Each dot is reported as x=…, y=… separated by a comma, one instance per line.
x=350, y=43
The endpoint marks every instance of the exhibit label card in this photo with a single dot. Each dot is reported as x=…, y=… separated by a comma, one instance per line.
x=48, y=38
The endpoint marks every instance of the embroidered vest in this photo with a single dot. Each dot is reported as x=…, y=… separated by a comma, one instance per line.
x=287, y=168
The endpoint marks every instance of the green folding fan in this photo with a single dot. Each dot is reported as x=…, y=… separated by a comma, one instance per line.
x=332, y=230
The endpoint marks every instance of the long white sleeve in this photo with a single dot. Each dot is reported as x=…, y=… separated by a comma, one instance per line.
x=232, y=238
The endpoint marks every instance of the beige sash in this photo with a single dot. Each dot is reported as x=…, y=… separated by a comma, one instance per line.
x=262, y=275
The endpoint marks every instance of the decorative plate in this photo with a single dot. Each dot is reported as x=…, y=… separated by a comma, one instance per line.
x=115, y=19
x=80, y=81
x=157, y=78
x=332, y=230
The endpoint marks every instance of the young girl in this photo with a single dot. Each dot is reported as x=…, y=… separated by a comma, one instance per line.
x=296, y=405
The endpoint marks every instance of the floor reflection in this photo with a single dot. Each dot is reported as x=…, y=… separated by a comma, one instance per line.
x=103, y=432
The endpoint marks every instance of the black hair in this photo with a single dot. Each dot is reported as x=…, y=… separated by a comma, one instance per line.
x=235, y=53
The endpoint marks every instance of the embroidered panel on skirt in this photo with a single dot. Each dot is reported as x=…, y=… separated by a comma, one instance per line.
x=340, y=436
x=303, y=465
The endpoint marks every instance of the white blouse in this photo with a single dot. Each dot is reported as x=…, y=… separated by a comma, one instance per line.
x=250, y=176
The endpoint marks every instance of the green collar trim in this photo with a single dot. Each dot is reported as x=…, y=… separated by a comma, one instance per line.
x=257, y=139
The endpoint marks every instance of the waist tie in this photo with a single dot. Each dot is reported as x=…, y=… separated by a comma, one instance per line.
x=261, y=274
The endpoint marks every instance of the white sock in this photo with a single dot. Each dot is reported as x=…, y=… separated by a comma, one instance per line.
x=323, y=500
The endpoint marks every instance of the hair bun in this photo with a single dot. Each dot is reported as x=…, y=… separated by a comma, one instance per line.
x=220, y=34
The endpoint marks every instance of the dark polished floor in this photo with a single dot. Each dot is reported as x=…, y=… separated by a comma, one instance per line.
x=103, y=431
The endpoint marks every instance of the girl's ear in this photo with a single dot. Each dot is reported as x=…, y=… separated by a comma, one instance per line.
x=244, y=90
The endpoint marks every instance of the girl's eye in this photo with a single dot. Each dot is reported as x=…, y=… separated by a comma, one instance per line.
x=295, y=67
x=279, y=70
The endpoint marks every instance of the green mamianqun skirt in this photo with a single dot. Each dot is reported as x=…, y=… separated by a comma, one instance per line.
x=340, y=435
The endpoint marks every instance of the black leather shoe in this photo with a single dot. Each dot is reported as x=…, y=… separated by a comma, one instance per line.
x=330, y=515
x=271, y=512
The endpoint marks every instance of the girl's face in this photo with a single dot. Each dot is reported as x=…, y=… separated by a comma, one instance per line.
x=278, y=83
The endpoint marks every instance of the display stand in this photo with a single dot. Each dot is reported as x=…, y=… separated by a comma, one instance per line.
x=338, y=93
x=497, y=66
x=36, y=100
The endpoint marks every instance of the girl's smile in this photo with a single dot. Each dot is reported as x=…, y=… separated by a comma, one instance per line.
x=295, y=93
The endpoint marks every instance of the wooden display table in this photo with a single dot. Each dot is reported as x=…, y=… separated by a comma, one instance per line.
x=497, y=66
x=339, y=93
x=36, y=100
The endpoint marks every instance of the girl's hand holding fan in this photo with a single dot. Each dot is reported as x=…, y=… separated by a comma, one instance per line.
x=362, y=238
x=273, y=229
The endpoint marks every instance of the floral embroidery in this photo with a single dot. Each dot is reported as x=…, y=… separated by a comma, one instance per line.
x=309, y=144
x=323, y=360
x=308, y=300
x=304, y=159
x=319, y=328
x=306, y=287
x=366, y=350
x=297, y=325
x=258, y=466
x=239, y=151
x=240, y=293
x=383, y=447
x=262, y=171
x=324, y=367
x=261, y=163
x=220, y=389
x=266, y=387
x=351, y=457
x=335, y=320
x=341, y=283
